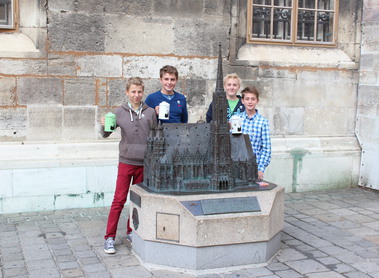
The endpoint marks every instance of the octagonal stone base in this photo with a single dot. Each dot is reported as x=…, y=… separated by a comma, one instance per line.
x=174, y=231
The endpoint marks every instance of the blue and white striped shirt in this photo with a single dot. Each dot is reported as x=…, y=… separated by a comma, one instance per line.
x=258, y=129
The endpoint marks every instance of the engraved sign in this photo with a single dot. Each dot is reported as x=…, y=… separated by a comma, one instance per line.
x=230, y=205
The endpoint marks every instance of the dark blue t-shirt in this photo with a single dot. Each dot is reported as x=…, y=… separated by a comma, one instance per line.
x=178, y=106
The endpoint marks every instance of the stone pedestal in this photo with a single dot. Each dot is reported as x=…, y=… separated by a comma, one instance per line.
x=206, y=231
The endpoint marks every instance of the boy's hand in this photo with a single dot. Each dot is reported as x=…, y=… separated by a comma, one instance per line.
x=102, y=121
x=157, y=110
x=260, y=175
x=263, y=184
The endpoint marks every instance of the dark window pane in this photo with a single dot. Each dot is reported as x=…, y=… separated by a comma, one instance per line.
x=2, y=14
x=6, y=14
x=262, y=2
x=309, y=4
x=283, y=3
x=325, y=21
x=282, y=24
x=305, y=25
x=261, y=22
x=325, y=4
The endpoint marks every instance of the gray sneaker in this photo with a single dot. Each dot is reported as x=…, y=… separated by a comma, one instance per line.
x=129, y=237
x=109, y=246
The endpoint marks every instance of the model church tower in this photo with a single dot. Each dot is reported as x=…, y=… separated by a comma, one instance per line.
x=220, y=135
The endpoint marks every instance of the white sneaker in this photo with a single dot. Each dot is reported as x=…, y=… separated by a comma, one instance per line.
x=109, y=246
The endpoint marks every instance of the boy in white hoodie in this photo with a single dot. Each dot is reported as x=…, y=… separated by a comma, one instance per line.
x=135, y=119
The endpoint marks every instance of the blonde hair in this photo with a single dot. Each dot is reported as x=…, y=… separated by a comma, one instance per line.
x=134, y=81
x=232, y=76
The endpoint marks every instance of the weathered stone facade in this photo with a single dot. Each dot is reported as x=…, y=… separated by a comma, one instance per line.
x=367, y=122
x=77, y=55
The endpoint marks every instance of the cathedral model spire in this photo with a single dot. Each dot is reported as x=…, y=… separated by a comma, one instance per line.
x=220, y=75
x=222, y=176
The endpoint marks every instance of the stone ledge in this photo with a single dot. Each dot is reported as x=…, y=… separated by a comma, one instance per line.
x=282, y=56
x=58, y=154
x=16, y=155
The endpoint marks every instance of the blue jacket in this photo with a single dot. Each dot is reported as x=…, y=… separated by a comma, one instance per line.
x=178, y=106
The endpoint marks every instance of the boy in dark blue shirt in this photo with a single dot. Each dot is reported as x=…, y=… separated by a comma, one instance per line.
x=178, y=103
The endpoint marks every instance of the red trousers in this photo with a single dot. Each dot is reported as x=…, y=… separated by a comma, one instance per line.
x=125, y=175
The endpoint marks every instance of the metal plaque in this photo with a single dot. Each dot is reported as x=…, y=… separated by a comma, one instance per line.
x=194, y=207
x=230, y=205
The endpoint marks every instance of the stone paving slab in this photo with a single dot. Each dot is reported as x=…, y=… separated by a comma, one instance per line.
x=329, y=234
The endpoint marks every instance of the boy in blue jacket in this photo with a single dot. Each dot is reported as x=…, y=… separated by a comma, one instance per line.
x=178, y=103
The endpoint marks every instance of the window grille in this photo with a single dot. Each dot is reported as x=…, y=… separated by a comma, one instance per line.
x=292, y=21
x=7, y=14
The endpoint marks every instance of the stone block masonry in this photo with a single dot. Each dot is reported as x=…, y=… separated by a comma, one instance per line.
x=367, y=122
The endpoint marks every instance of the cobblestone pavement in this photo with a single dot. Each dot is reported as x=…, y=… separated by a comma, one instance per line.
x=326, y=234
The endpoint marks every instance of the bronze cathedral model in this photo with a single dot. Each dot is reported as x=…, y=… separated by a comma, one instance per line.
x=200, y=157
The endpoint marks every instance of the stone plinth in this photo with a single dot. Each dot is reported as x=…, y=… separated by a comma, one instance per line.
x=174, y=231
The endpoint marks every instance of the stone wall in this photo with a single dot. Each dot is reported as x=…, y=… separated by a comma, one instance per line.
x=367, y=127
x=53, y=93
x=93, y=47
